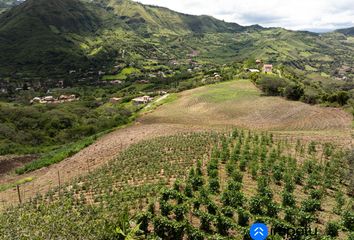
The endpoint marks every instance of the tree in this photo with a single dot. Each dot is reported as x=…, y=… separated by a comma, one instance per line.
x=340, y=97
x=271, y=85
x=294, y=91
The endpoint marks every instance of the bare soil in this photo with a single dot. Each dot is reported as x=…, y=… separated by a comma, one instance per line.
x=11, y=162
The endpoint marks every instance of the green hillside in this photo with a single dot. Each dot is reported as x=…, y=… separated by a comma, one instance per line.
x=6, y=4
x=157, y=19
x=34, y=36
x=46, y=39
x=347, y=31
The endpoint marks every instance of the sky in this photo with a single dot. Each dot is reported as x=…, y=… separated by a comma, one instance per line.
x=312, y=15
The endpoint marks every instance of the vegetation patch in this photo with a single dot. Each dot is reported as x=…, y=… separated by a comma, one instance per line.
x=235, y=178
x=123, y=75
x=5, y=187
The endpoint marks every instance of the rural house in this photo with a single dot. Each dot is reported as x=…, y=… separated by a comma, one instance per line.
x=267, y=68
x=252, y=70
x=114, y=100
x=143, y=81
x=142, y=100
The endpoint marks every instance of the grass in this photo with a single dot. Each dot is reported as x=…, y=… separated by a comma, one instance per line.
x=122, y=75
x=239, y=103
x=227, y=91
x=5, y=187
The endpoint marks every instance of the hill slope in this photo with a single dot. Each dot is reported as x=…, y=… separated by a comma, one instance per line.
x=38, y=37
x=42, y=38
x=154, y=19
x=347, y=31
x=35, y=34
x=6, y=4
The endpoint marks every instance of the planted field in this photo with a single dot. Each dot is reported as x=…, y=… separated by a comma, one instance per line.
x=239, y=103
x=251, y=178
x=220, y=106
x=89, y=207
x=238, y=177
x=94, y=156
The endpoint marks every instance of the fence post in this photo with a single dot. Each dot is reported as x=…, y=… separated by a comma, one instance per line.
x=19, y=193
x=88, y=165
x=59, y=184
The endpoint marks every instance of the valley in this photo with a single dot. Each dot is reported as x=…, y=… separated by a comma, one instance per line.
x=126, y=121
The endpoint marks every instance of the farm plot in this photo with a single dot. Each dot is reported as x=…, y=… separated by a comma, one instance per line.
x=237, y=177
x=250, y=178
x=239, y=103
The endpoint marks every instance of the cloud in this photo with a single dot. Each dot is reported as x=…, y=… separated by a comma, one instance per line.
x=292, y=14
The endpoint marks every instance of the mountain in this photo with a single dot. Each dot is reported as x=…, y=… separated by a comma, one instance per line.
x=6, y=4
x=155, y=18
x=48, y=38
x=347, y=31
x=35, y=33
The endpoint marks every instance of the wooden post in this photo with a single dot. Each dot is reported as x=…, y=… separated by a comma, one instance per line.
x=19, y=193
x=88, y=165
x=59, y=184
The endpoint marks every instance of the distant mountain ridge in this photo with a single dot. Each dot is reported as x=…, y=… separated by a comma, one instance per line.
x=42, y=38
x=7, y=4
x=347, y=31
x=39, y=33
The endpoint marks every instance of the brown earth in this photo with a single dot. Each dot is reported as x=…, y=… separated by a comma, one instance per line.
x=10, y=162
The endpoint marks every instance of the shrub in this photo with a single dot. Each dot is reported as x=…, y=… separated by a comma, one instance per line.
x=348, y=220
x=223, y=225
x=256, y=205
x=288, y=199
x=243, y=218
x=294, y=91
x=232, y=198
x=214, y=185
x=332, y=229
x=311, y=205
